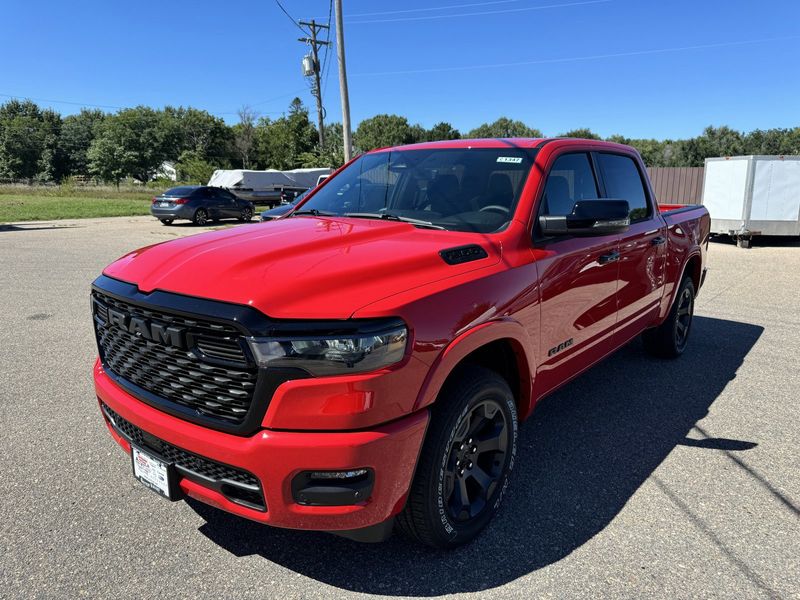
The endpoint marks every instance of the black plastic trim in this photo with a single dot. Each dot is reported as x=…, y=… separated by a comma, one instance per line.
x=463, y=254
x=332, y=492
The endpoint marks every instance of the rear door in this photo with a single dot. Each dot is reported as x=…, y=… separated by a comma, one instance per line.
x=577, y=278
x=643, y=248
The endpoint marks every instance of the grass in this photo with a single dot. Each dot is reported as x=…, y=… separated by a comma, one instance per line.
x=47, y=203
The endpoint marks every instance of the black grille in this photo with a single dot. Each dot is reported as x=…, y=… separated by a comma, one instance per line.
x=210, y=376
x=193, y=464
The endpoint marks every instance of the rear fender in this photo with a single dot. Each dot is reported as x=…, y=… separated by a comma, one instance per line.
x=469, y=341
x=669, y=299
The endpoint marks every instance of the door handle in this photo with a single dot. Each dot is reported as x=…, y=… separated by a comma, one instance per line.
x=607, y=258
x=658, y=240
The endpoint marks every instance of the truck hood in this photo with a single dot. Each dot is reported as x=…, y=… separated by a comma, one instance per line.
x=301, y=267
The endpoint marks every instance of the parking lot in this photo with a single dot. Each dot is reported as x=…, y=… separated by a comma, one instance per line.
x=642, y=478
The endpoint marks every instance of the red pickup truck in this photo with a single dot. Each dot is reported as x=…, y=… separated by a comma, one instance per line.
x=363, y=362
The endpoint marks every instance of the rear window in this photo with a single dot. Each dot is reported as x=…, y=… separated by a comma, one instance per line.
x=623, y=181
x=185, y=190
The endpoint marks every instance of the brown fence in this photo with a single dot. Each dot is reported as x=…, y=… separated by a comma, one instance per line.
x=677, y=185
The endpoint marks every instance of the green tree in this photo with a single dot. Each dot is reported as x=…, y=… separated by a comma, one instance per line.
x=29, y=142
x=193, y=168
x=288, y=142
x=381, y=131
x=503, y=128
x=77, y=134
x=244, y=133
x=582, y=132
x=443, y=131
x=129, y=143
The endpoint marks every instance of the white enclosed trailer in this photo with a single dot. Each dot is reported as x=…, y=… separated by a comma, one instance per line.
x=753, y=195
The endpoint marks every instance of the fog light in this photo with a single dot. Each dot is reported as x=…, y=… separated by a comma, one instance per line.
x=333, y=488
x=337, y=474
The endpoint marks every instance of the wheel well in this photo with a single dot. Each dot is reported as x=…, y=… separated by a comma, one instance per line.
x=506, y=358
x=693, y=269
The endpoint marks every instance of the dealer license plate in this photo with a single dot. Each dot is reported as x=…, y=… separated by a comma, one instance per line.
x=163, y=204
x=152, y=472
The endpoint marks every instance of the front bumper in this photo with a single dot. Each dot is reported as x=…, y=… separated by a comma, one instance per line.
x=276, y=457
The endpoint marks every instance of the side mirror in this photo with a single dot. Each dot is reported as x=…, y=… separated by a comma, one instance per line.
x=590, y=217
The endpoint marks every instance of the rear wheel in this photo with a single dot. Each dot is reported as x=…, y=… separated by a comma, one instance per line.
x=200, y=216
x=670, y=339
x=466, y=460
x=166, y=221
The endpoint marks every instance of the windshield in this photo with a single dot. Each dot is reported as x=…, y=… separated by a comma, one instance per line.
x=459, y=189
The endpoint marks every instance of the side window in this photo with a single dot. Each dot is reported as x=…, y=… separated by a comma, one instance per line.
x=570, y=179
x=623, y=181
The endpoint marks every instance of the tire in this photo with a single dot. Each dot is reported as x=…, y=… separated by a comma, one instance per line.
x=670, y=339
x=200, y=216
x=477, y=409
x=166, y=221
x=246, y=215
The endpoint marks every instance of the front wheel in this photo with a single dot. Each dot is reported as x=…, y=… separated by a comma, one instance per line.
x=466, y=461
x=246, y=215
x=670, y=339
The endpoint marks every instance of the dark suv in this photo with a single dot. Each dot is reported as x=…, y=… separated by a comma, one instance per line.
x=199, y=203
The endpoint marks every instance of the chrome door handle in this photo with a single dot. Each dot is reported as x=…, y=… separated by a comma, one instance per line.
x=607, y=258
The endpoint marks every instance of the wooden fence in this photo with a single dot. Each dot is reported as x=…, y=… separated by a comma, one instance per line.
x=677, y=185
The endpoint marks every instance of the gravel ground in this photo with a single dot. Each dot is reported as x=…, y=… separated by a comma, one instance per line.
x=640, y=479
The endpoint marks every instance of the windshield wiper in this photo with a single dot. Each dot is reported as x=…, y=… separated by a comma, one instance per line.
x=313, y=212
x=391, y=217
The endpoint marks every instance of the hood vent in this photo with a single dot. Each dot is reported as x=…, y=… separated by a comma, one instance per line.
x=463, y=254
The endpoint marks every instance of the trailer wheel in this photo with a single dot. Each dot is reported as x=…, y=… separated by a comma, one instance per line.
x=670, y=339
x=465, y=463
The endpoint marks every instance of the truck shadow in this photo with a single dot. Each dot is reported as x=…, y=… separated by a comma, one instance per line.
x=583, y=454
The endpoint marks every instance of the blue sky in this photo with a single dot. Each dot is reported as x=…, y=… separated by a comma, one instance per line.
x=640, y=68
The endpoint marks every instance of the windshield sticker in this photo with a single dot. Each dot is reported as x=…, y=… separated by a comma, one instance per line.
x=514, y=160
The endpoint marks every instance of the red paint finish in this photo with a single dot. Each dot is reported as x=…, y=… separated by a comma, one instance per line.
x=529, y=295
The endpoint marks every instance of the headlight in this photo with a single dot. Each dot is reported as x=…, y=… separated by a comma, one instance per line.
x=333, y=355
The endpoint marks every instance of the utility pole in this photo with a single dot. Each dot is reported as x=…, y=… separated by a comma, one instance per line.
x=315, y=68
x=346, y=134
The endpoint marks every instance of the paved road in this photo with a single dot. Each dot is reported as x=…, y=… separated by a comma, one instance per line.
x=641, y=479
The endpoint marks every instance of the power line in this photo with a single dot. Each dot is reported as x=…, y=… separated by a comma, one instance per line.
x=290, y=17
x=82, y=104
x=581, y=58
x=325, y=63
x=431, y=8
x=483, y=13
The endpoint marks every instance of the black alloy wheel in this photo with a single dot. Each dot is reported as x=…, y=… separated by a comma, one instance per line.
x=671, y=338
x=683, y=320
x=247, y=214
x=475, y=463
x=464, y=468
